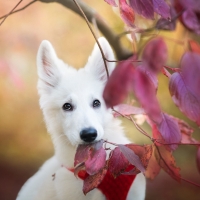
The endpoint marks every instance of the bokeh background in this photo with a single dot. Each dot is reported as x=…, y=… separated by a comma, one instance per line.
x=24, y=141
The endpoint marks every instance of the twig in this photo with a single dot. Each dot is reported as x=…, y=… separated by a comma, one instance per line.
x=20, y=9
x=88, y=23
x=5, y=17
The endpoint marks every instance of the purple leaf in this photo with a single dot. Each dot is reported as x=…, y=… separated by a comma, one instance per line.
x=162, y=8
x=132, y=157
x=184, y=86
x=111, y=2
x=143, y=7
x=145, y=91
x=191, y=20
x=170, y=131
x=165, y=24
x=155, y=54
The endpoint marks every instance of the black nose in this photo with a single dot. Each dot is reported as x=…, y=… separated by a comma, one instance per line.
x=88, y=134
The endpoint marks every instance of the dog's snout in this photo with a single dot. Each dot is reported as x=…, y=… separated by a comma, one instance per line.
x=88, y=134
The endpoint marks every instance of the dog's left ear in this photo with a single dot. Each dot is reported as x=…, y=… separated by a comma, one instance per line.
x=95, y=62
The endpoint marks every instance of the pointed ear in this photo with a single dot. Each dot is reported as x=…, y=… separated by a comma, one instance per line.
x=95, y=62
x=47, y=65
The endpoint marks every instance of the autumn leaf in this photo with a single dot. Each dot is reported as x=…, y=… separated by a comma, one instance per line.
x=93, y=181
x=153, y=167
x=155, y=54
x=143, y=152
x=126, y=13
x=170, y=131
x=184, y=86
x=145, y=92
x=132, y=157
x=117, y=162
x=167, y=162
x=118, y=84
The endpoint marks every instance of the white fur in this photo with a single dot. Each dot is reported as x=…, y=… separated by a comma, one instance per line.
x=59, y=83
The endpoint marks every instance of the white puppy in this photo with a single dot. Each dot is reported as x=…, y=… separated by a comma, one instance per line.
x=75, y=113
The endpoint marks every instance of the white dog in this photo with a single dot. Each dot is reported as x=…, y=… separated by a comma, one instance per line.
x=75, y=113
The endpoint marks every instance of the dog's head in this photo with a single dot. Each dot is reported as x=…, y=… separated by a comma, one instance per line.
x=71, y=99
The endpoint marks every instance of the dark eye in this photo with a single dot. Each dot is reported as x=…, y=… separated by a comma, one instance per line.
x=67, y=107
x=96, y=103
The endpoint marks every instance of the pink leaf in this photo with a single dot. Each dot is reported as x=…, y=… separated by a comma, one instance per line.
x=155, y=54
x=127, y=13
x=162, y=8
x=198, y=159
x=184, y=86
x=93, y=181
x=170, y=131
x=96, y=161
x=143, y=7
x=111, y=2
x=117, y=162
x=145, y=91
x=126, y=109
x=118, y=84
x=132, y=157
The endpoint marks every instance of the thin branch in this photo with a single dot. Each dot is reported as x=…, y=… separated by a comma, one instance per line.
x=5, y=17
x=88, y=23
x=20, y=9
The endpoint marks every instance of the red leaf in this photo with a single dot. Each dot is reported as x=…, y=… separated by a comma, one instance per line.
x=170, y=131
x=153, y=167
x=117, y=162
x=132, y=157
x=126, y=13
x=96, y=161
x=198, y=159
x=111, y=2
x=194, y=46
x=118, y=84
x=166, y=160
x=145, y=91
x=143, y=152
x=155, y=54
x=93, y=181
x=162, y=8
x=143, y=7
x=82, y=154
x=184, y=86
x=126, y=109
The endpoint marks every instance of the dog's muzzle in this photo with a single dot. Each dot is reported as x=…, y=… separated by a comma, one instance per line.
x=88, y=134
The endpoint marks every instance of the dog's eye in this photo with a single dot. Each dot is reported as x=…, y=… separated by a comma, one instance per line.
x=67, y=107
x=96, y=103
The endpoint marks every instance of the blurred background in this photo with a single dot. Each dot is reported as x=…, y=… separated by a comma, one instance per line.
x=24, y=141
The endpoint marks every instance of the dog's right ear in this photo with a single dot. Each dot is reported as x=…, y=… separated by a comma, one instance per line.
x=47, y=65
